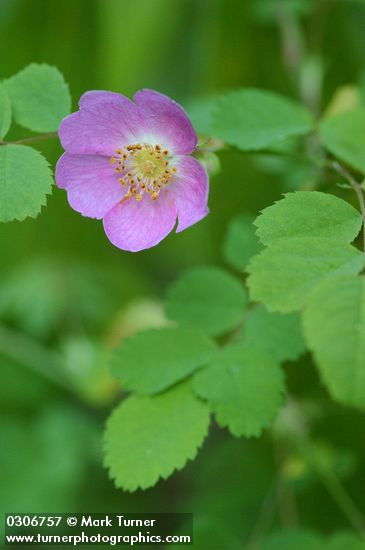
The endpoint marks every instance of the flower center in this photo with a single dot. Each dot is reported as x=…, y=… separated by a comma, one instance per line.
x=143, y=169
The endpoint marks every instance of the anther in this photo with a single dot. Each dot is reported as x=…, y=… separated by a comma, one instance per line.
x=148, y=169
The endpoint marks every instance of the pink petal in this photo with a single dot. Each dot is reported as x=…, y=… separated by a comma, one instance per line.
x=134, y=226
x=106, y=121
x=190, y=190
x=91, y=183
x=166, y=122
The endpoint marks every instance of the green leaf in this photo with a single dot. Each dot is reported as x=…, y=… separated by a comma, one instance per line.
x=5, y=112
x=201, y=113
x=282, y=276
x=153, y=360
x=149, y=437
x=207, y=298
x=40, y=97
x=344, y=136
x=255, y=119
x=280, y=336
x=334, y=325
x=241, y=242
x=25, y=180
x=309, y=214
x=244, y=388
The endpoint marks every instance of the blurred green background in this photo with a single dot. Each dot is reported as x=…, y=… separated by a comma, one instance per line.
x=67, y=296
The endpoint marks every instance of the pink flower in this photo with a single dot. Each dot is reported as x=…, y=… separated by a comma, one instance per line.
x=128, y=163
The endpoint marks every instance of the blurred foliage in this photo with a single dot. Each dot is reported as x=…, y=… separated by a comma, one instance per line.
x=67, y=296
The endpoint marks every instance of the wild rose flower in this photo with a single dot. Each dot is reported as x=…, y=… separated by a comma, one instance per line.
x=128, y=163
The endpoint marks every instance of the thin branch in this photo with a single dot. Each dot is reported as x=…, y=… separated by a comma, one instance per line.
x=265, y=516
x=356, y=186
x=41, y=137
x=344, y=502
x=337, y=491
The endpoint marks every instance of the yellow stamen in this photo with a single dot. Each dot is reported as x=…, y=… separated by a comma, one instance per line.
x=144, y=168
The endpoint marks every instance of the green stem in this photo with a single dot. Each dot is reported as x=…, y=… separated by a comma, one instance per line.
x=337, y=492
x=26, y=351
x=297, y=436
x=345, y=503
x=358, y=190
x=265, y=516
x=41, y=137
